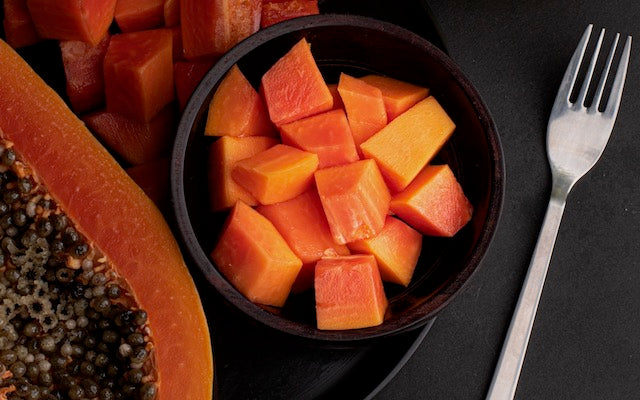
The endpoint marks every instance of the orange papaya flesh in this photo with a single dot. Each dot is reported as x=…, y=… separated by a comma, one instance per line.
x=364, y=106
x=403, y=147
x=274, y=11
x=18, y=25
x=153, y=179
x=138, y=73
x=176, y=49
x=187, y=75
x=139, y=15
x=237, y=109
x=255, y=258
x=398, y=96
x=337, y=100
x=396, y=249
x=223, y=155
x=171, y=13
x=349, y=293
x=277, y=174
x=434, y=203
x=84, y=73
x=355, y=200
x=116, y=219
x=303, y=225
x=293, y=87
x=328, y=135
x=83, y=20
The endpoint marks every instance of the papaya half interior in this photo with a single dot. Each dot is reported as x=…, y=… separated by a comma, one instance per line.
x=113, y=213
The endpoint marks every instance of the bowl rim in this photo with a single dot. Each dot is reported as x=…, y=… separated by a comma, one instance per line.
x=192, y=247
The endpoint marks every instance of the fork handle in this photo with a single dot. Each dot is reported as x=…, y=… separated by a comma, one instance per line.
x=505, y=378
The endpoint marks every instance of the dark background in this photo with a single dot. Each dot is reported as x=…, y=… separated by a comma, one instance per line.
x=585, y=342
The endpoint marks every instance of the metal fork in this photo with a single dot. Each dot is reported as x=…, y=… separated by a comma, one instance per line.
x=576, y=138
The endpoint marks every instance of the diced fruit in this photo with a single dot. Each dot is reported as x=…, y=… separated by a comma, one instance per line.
x=223, y=155
x=212, y=27
x=293, y=87
x=153, y=179
x=171, y=12
x=83, y=20
x=434, y=202
x=337, y=100
x=364, y=106
x=255, y=258
x=409, y=142
x=277, y=174
x=138, y=73
x=274, y=11
x=139, y=15
x=303, y=225
x=136, y=142
x=18, y=25
x=396, y=248
x=237, y=109
x=398, y=96
x=84, y=73
x=327, y=134
x=355, y=200
x=349, y=293
x=176, y=48
x=187, y=75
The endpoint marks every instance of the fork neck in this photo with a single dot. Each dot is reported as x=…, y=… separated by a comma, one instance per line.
x=561, y=186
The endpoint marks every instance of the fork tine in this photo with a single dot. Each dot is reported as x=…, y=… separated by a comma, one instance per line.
x=618, y=83
x=605, y=75
x=570, y=75
x=586, y=84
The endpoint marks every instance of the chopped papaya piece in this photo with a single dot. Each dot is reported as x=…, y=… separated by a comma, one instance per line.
x=355, y=200
x=223, y=155
x=349, y=293
x=237, y=109
x=434, y=203
x=18, y=26
x=327, y=134
x=153, y=179
x=187, y=76
x=171, y=13
x=176, y=49
x=139, y=15
x=277, y=174
x=337, y=100
x=274, y=11
x=398, y=96
x=255, y=258
x=396, y=249
x=364, y=106
x=403, y=147
x=293, y=87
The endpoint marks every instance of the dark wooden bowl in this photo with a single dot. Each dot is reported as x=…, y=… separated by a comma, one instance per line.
x=358, y=46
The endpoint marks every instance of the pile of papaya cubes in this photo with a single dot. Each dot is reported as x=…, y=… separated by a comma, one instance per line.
x=330, y=187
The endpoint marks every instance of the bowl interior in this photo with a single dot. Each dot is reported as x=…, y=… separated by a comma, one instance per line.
x=357, y=46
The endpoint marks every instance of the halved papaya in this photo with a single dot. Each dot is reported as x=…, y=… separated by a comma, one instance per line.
x=93, y=257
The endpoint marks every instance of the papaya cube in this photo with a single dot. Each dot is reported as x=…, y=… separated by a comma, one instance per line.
x=293, y=87
x=355, y=200
x=223, y=155
x=364, y=106
x=255, y=258
x=434, y=203
x=398, y=96
x=84, y=73
x=327, y=134
x=18, y=26
x=83, y=20
x=187, y=75
x=276, y=174
x=409, y=142
x=237, y=109
x=138, y=73
x=274, y=11
x=337, y=100
x=303, y=225
x=172, y=13
x=349, y=293
x=396, y=249
x=139, y=15
x=176, y=48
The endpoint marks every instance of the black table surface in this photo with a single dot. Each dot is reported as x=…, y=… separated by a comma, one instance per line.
x=585, y=342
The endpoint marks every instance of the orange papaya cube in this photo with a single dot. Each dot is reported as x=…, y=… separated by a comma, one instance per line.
x=396, y=249
x=134, y=141
x=153, y=179
x=255, y=258
x=176, y=33
x=303, y=225
x=349, y=293
x=409, y=142
x=364, y=106
x=139, y=15
x=274, y=11
x=327, y=134
x=277, y=174
x=293, y=87
x=434, y=203
x=18, y=26
x=84, y=73
x=237, y=109
x=83, y=20
x=337, y=100
x=223, y=155
x=355, y=200
x=398, y=96
x=171, y=13
x=187, y=75
x=212, y=27
x=138, y=73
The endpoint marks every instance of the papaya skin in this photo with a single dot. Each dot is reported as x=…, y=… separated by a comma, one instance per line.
x=111, y=211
